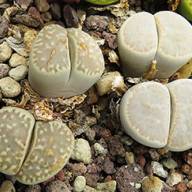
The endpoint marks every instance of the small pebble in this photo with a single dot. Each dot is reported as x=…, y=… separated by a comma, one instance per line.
x=4, y=26
x=24, y=4
x=57, y=186
x=96, y=22
x=109, y=186
x=152, y=184
x=189, y=184
x=29, y=37
x=82, y=151
x=42, y=5
x=169, y=163
x=99, y=149
x=78, y=169
x=158, y=169
x=128, y=177
x=5, y=52
x=4, y=69
x=18, y=73
x=7, y=186
x=17, y=60
x=129, y=157
x=9, y=87
x=108, y=166
x=181, y=187
x=79, y=183
x=174, y=178
x=154, y=155
x=70, y=16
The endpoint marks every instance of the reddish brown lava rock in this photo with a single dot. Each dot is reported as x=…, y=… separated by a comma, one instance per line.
x=128, y=176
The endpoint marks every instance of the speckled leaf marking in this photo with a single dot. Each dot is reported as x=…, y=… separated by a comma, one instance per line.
x=64, y=62
x=16, y=127
x=86, y=56
x=50, y=52
x=52, y=145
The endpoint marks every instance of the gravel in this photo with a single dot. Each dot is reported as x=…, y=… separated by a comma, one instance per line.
x=82, y=151
x=152, y=184
x=57, y=186
x=174, y=178
x=158, y=169
x=5, y=52
x=79, y=184
x=18, y=73
x=4, y=69
x=9, y=87
x=17, y=60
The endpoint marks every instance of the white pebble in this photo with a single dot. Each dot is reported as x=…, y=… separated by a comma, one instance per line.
x=17, y=60
x=82, y=151
x=158, y=169
x=99, y=149
x=174, y=178
x=18, y=73
x=9, y=87
x=79, y=183
x=5, y=52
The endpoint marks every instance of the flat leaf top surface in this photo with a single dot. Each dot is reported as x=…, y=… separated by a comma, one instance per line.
x=52, y=145
x=16, y=127
x=145, y=113
x=181, y=119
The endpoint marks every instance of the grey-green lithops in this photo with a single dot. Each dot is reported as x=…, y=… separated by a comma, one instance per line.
x=165, y=37
x=159, y=115
x=32, y=151
x=64, y=62
x=16, y=126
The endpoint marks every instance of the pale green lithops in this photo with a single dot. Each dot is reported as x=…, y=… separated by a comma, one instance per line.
x=137, y=43
x=159, y=115
x=145, y=109
x=64, y=62
x=181, y=127
x=32, y=151
x=166, y=39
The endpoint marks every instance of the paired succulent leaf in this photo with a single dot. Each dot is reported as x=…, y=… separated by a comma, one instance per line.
x=33, y=152
x=165, y=37
x=64, y=62
x=159, y=115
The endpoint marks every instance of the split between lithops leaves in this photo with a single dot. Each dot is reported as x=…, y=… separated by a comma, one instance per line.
x=159, y=115
x=165, y=37
x=64, y=62
x=32, y=151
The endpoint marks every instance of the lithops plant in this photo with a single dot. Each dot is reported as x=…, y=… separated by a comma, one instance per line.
x=64, y=62
x=181, y=118
x=166, y=39
x=159, y=115
x=145, y=113
x=32, y=151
